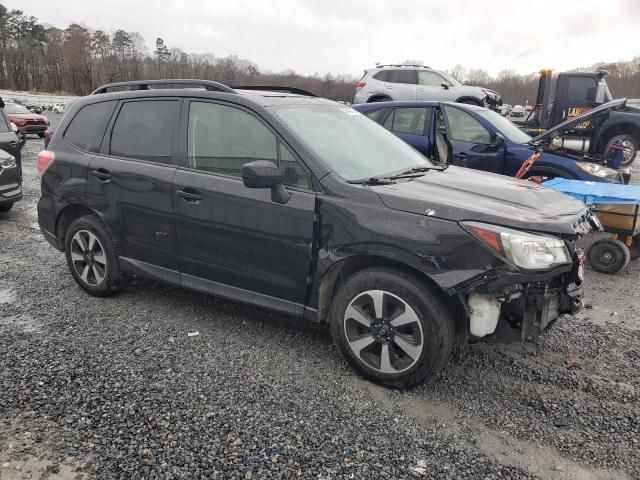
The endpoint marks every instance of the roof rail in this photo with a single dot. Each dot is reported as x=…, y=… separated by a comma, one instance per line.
x=145, y=84
x=400, y=65
x=274, y=88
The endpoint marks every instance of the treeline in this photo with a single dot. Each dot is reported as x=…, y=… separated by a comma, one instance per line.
x=76, y=60
x=623, y=81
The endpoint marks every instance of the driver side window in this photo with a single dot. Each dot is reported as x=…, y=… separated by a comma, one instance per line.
x=464, y=128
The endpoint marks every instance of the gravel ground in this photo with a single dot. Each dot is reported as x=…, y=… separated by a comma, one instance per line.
x=116, y=388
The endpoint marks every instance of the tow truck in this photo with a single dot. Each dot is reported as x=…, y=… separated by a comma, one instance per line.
x=562, y=96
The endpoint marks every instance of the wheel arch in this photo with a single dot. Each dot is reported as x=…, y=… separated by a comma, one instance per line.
x=338, y=273
x=558, y=172
x=68, y=215
x=620, y=128
x=468, y=98
x=379, y=97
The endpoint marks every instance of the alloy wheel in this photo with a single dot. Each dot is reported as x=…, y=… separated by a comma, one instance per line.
x=88, y=257
x=383, y=331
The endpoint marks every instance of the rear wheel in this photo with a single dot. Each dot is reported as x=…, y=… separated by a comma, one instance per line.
x=630, y=145
x=92, y=258
x=609, y=256
x=391, y=328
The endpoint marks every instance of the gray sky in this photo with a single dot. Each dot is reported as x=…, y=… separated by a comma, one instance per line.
x=346, y=36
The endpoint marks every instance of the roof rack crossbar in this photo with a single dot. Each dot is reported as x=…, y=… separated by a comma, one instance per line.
x=400, y=65
x=275, y=88
x=145, y=84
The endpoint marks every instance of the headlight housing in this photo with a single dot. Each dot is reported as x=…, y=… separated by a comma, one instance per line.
x=9, y=162
x=526, y=251
x=597, y=170
x=491, y=94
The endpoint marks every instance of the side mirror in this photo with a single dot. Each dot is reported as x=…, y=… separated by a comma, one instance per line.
x=265, y=174
x=444, y=85
x=600, y=93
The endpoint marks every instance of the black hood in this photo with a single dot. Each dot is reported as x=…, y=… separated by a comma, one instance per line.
x=462, y=194
x=601, y=112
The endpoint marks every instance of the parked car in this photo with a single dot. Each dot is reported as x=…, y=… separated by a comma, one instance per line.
x=10, y=165
x=517, y=111
x=505, y=109
x=416, y=82
x=58, y=107
x=476, y=137
x=27, y=122
x=303, y=206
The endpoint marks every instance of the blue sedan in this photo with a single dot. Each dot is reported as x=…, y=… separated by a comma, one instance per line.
x=476, y=137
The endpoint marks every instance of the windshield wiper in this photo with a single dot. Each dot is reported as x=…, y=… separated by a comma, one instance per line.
x=372, y=181
x=417, y=171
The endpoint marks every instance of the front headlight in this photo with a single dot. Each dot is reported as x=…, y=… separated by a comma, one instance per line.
x=523, y=250
x=7, y=162
x=597, y=170
x=492, y=95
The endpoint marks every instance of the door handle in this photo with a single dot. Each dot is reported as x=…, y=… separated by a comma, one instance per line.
x=190, y=196
x=102, y=174
x=462, y=155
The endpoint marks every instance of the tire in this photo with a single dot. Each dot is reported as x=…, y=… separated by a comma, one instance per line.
x=92, y=259
x=630, y=146
x=609, y=256
x=6, y=207
x=545, y=175
x=427, y=333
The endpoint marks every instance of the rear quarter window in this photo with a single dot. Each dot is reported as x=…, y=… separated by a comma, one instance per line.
x=87, y=128
x=382, y=75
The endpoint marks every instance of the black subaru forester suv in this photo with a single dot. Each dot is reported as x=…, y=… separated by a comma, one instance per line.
x=274, y=197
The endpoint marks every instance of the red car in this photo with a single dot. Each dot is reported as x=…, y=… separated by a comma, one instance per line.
x=26, y=121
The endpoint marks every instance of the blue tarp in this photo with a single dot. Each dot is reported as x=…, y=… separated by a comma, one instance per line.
x=597, y=192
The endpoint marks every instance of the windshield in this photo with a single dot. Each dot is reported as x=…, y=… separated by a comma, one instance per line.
x=352, y=145
x=506, y=128
x=15, y=108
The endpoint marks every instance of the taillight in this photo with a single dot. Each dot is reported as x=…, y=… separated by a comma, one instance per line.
x=45, y=159
x=360, y=84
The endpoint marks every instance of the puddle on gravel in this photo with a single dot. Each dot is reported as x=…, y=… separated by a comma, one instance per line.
x=7, y=295
x=23, y=322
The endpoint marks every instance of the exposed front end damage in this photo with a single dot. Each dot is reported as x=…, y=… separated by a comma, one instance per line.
x=511, y=306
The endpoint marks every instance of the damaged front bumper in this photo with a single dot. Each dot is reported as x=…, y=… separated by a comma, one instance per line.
x=520, y=306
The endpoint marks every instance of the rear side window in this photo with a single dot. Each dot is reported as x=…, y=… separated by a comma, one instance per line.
x=87, y=128
x=382, y=75
x=377, y=115
x=409, y=120
x=144, y=130
x=403, y=76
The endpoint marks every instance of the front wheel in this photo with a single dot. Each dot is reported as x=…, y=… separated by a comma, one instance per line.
x=92, y=258
x=391, y=328
x=630, y=146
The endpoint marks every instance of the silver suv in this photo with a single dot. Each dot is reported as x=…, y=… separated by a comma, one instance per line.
x=417, y=82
